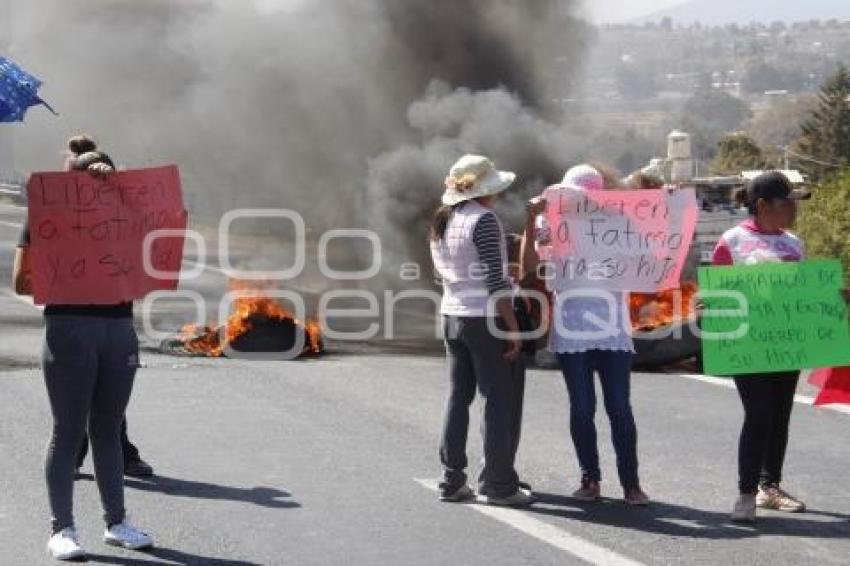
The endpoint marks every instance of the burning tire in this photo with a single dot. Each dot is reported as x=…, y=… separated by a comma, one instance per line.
x=260, y=324
x=667, y=345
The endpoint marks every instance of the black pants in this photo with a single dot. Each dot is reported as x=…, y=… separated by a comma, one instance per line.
x=131, y=453
x=768, y=400
x=89, y=366
x=476, y=362
x=517, y=402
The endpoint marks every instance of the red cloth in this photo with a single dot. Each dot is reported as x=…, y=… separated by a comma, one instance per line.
x=836, y=386
x=722, y=254
x=819, y=377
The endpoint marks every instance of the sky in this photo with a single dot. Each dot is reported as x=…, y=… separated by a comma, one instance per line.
x=605, y=11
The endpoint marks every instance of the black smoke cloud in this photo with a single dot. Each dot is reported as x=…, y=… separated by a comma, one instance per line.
x=349, y=111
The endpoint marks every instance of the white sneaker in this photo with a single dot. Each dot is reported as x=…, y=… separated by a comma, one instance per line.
x=521, y=498
x=460, y=494
x=745, y=509
x=127, y=536
x=64, y=545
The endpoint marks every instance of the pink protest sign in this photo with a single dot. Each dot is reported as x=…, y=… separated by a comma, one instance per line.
x=87, y=235
x=619, y=240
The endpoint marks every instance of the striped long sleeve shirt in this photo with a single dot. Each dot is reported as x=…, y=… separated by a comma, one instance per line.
x=488, y=240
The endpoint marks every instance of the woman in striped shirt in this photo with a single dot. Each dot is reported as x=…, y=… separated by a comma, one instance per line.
x=469, y=252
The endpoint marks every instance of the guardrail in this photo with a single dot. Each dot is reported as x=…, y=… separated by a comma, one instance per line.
x=14, y=193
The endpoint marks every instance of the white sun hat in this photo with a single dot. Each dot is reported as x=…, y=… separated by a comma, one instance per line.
x=585, y=178
x=474, y=176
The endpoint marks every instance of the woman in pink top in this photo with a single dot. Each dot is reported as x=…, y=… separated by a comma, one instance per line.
x=767, y=398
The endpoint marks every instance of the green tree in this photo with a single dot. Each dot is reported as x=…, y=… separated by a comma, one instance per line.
x=826, y=132
x=824, y=221
x=735, y=153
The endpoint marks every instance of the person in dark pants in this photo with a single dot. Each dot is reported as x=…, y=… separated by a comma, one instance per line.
x=469, y=252
x=89, y=361
x=768, y=398
x=764, y=436
x=134, y=466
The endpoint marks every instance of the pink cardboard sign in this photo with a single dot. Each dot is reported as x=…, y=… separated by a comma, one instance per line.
x=87, y=235
x=619, y=240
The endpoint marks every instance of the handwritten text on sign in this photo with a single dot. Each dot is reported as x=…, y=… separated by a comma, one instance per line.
x=87, y=235
x=619, y=240
x=782, y=317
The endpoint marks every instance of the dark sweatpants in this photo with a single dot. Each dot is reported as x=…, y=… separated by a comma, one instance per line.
x=89, y=366
x=768, y=400
x=476, y=362
x=128, y=449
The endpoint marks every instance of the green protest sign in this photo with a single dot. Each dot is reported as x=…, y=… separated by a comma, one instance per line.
x=774, y=317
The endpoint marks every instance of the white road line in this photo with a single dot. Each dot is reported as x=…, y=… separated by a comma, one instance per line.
x=23, y=299
x=11, y=224
x=801, y=399
x=544, y=532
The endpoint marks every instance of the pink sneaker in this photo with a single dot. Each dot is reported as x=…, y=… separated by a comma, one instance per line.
x=774, y=497
x=589, y=491
x=635, y=496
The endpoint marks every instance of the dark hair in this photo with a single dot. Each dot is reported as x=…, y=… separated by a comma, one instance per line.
x=610, y=174
x=767, y=186
x=86, y=160
x=641, y=180
x=741, y=197
x=440, y=221
x=513, y=243
x=81, y=144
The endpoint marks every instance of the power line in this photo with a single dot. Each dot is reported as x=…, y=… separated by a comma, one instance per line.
x=811, y=159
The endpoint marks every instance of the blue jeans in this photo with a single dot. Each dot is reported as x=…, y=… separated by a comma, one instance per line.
x=615, y=374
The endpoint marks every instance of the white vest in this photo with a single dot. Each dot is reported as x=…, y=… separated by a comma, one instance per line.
x=457, y=263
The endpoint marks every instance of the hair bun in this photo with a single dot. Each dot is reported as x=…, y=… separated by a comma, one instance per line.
x=85, y=161
x=81, y=144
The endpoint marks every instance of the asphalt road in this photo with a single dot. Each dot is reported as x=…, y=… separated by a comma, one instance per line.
x=329, y=461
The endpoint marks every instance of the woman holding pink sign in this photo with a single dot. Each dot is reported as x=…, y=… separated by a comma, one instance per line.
x=582, y=350
x=89, y=361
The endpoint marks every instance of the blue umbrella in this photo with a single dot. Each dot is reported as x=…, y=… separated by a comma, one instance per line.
x=18, y=91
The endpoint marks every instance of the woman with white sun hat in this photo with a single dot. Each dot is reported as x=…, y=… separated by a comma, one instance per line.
x=470, y=255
